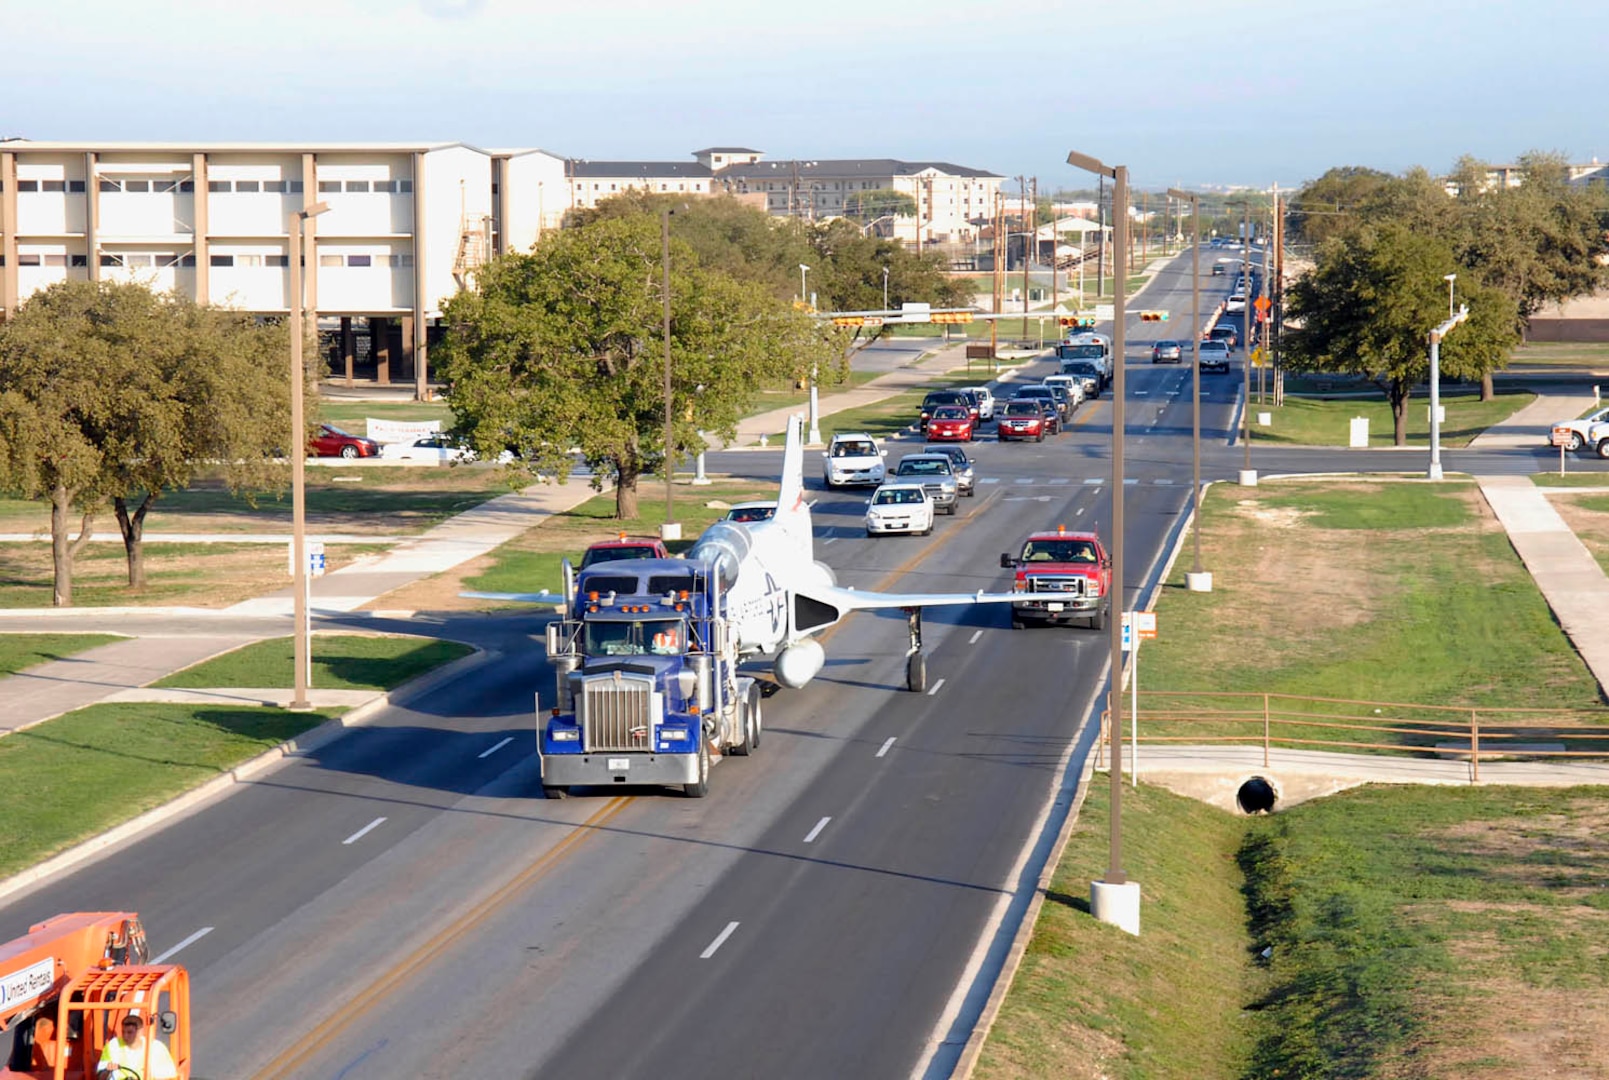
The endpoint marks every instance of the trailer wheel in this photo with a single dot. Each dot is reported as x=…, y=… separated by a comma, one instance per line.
x=555, y=791
x=702, y=787
x=745, y=714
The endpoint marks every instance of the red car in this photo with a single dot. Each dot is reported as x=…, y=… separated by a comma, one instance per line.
x=952, y=423
x=624, y=548
x=333, y=442
x=1069, y=575
x=1020, y=420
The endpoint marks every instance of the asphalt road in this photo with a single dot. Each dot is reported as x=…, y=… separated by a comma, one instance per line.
x=402, y=902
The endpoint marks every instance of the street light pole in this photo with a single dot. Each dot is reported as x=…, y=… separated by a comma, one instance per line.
x=1197, y=580
x=885, y=288
x=670, y=418
x=1248, y=476
x=1435, y=385
x=301, y=633
x=1450, y=279
x=815, y=399
x=1115, y=899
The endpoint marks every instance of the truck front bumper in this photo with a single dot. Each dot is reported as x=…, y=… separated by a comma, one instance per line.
x=1054, y=610
x=566, y=770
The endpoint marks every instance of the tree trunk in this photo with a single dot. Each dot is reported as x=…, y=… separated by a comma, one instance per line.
x=1488, y=392
x=63, y=549
x=625, y=492
x=132, y=526
x=1399, y=412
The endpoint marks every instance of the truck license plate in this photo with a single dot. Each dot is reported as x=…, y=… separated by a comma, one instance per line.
x=1053, y=606
x=621, y=763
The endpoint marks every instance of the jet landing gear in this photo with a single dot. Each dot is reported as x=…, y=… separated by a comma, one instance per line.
x=915, y=662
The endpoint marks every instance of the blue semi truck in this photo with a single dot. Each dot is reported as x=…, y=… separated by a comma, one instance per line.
x=647, y=689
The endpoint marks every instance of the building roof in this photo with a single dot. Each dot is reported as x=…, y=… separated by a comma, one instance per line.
x=637, y=170
x=851, y=167
x=176, y=147
x=727, y=150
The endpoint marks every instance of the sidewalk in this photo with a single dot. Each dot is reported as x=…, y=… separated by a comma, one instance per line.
x=1570, y=578
x=1533, y=425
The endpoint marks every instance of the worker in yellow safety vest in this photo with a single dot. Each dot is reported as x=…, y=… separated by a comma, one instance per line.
x=124, y=1057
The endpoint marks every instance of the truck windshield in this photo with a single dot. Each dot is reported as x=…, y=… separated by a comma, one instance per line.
x=597, y=555
x=1062, y=551
x=643, y=637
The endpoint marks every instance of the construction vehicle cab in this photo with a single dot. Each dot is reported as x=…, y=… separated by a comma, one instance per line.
x=65, y=988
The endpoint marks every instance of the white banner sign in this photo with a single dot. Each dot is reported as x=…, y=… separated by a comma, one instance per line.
x=18, y=987
x=393, y=431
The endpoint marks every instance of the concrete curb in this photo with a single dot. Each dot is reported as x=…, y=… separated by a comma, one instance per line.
x=1007, y=975
x=88, y=850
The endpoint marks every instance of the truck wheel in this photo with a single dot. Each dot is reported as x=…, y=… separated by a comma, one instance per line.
x=1017, y=624
x=1603, y=448
x=1097, y=621
x=916, y=673
x=749, y=710
x=756, y=718
x=702, y=787
x=555, y=791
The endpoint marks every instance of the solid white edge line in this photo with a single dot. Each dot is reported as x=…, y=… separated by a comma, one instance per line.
x=810, y=838
x=976, y=634
x=720, y=939
x=191, y=940
x=935, y=689
x=888, y=742
x=361, y=833
x=495, y=749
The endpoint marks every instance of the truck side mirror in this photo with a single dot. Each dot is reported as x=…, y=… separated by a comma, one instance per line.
x=882, y=453
x=1005, y=561
x=824, y=453
x=168, y=1021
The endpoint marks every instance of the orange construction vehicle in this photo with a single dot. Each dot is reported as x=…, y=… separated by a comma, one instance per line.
x=66, y=988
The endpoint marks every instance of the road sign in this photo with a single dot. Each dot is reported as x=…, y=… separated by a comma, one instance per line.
x=1105, y=312
x=1561, y=436
x=1259, y=357
x=1262, y=304
x=1141, y=622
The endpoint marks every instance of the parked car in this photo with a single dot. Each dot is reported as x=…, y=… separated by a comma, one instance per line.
x=1581, y=430
x=749, y=512
x=1166, y=352
x=985, y=398
x=624, y=547
x=1214, y=356
x=933, y=472
x=1021, y=420
x=900, y=508
x=1226, y=333
x=961, y=465
x=951, y=423
x=852, y=460
x=331, y=441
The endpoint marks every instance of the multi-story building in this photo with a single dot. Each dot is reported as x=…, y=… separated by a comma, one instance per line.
x=406, y=224
x=593, y=181
x=530, y=195
x=950, y=201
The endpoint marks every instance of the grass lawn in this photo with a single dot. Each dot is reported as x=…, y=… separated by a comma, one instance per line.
x=340, y=662
x=1089, y=1001
x=1588, y=517
x=891, y=415
x=386, y=501
x=350, y=415
x=1597, y=478
x=20, y=651
x=787, y=396
x=75, y=776
x=1560, y=354
x=190, y=575
x=1376, y=591
x=1326, y=422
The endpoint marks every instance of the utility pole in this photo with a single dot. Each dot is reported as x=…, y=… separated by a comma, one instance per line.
x=1100, y=237
x=1028, y=216
x=1145, y=227
x=999, y=279
x=1248, y=478
x=1279, y=299
x=1196, y=580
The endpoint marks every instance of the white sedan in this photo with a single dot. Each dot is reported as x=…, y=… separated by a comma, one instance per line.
x=435, y=449
x=899, y=508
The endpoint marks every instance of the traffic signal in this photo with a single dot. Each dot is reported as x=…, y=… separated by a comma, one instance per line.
x=1083, y=321
x=849, y=320
x=1153, y=316
x=951, y=316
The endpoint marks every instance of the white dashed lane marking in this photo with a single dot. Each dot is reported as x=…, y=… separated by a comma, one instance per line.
x=361, y=833
x=888, y=742
x=822, y=824
x=720, y=939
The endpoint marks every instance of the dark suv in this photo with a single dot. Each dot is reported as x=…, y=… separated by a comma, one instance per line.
x=935, y=398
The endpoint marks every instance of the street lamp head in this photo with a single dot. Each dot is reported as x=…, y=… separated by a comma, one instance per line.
x=802, y=267
x=1449, y=278
x=1187, y=196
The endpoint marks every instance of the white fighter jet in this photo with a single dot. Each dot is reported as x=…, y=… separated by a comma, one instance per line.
x=779, y=596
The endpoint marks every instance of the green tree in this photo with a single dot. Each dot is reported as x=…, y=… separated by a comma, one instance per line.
x=847, y=272
x=1333, y=203
x=865, y=206
x=562, y=348
x=1370, y=302
x=110, y=391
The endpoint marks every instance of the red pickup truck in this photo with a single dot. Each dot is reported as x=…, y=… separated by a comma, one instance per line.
x=1069, y=574
x=624, y=548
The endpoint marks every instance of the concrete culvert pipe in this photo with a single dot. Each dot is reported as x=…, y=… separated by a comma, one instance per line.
x=1256, y=796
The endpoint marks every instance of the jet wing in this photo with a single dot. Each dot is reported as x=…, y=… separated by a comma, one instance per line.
x=856, y=600
x=517, y=597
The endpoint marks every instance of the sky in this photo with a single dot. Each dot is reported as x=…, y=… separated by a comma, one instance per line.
x=1229, y=92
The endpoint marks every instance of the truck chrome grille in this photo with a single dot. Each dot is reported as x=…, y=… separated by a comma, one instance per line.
x=616, y=713
x=1072, y=585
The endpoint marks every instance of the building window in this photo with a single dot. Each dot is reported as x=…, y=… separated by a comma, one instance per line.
x=187, y=260
x=248, y=260
x=111, y=260
x=278, y=262
x=78, y=260
x=28, y=260
x=294, y=187
x=274, y=187
x=56, y=260
x=389, y=187
x=329, y=260
x=212, y=185
x=221, y=260
x=57, y=186
x=247, y=185
x=187, y=186
x=357, y=185
x=405, y=187
x=76, y=187
x=111, y=185
x=402, y=260
x=328, y=186
x=137, y=260
x=140, y=186
x=358, y=260
x=27, y=185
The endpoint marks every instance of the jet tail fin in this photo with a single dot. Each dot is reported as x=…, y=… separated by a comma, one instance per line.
x=790, y=496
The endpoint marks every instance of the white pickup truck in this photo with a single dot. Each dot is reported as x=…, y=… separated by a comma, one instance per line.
x=1583, y=433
